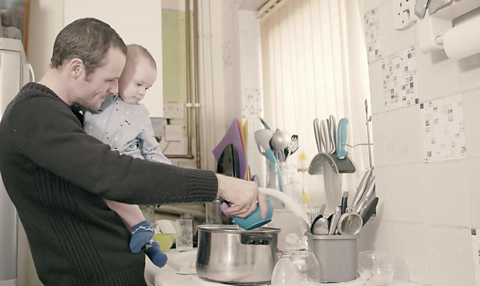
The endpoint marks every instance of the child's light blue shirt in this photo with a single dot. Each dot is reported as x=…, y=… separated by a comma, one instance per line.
x=126, y=128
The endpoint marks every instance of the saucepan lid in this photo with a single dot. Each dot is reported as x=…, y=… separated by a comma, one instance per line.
x=233, y=229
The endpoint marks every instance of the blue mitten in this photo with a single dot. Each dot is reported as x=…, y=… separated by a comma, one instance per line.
x=152, y=248
x=141, y=234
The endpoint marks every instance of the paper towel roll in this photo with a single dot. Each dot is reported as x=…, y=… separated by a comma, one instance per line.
x=463, y=40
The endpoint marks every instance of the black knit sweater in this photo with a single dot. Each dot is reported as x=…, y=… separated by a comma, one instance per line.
x=57, y=175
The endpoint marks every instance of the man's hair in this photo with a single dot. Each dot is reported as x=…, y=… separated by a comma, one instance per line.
x=135, y=51
x=88, y=39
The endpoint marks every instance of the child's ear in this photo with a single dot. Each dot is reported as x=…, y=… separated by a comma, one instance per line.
x=76, y=68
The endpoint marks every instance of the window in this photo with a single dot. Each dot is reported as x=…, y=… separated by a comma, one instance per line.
x=314, y=65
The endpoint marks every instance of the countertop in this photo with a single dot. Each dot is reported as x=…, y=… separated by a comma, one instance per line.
x=180, y=271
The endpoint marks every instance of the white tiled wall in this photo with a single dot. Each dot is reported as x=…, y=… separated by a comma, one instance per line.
x=426, y=210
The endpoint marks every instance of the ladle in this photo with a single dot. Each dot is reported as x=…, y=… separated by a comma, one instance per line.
x=319, y=225
x=281, y=140
x=262, y=137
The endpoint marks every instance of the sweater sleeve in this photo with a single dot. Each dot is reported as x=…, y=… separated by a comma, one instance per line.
x=50, y=135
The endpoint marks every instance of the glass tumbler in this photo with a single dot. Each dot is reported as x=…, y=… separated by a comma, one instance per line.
x=184, y=238
x=307, y=265
x=376, y=267
x=213, y=212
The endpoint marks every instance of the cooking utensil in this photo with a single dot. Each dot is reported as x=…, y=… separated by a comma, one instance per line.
x=335, y=217
x=368, y=194
x=322, y=209
x=280, y=140
x=344, y=164
x=292, y=147
x=344, y=202
x=365, y=204
x=319, y=225
x=350, y=223
x=325, y=168
x=361, y=187
x=325, y=138
x=364, y=199
x=264, y=123
x=337, y=255
x=332, y=128
x=369, y=211
x=228, y=255
x=313, y=214
x=368, y=120
x=255, y=220
x=316, y=130
x=342, y=138
x=323, y=164
x=262, y=137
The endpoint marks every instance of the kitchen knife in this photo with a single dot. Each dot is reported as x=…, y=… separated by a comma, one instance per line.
x=316, y=130
x=324, y=137
x=342, y=138
x=333, y=133
x=334, y=221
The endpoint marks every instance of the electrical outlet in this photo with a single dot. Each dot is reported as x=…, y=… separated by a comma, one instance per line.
x=173, y=132
x=172, y=110
x=404, y=15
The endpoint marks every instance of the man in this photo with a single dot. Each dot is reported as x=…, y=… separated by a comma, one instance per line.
x=57, y=176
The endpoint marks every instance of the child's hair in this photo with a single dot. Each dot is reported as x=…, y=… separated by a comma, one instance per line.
x=135, y=51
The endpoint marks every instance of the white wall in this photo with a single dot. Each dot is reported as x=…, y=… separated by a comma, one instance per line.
x=427, y=210
x=46, y=20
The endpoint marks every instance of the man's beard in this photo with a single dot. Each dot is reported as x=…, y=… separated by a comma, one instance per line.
x=88, y=105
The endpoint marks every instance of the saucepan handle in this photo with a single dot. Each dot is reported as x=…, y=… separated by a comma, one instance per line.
x=256, y=239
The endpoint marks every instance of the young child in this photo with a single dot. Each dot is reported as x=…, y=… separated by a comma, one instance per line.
x=124, y=124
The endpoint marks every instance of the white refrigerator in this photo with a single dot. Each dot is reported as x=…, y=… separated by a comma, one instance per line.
x=14, y=73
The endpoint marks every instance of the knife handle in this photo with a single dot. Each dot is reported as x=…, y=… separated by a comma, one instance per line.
x=344, y=202
x=342, y=138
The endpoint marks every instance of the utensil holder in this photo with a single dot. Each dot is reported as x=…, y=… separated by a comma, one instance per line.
x=337, y=256
x=273, y=182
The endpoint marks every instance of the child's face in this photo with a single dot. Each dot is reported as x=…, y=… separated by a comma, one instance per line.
x=136, y=79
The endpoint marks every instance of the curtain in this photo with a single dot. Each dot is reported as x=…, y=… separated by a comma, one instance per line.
x=314, y=65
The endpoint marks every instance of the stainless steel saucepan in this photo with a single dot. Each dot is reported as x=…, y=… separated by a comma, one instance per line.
x=230, y=255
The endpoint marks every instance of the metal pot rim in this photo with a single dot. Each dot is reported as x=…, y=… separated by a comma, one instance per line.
x=236, y=230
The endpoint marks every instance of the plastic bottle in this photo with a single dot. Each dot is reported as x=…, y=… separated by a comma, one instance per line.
x=304, y=168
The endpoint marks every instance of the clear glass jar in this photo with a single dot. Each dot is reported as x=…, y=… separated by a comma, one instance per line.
x=184, y=238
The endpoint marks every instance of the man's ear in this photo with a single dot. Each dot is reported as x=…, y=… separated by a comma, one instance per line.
x=76, y=68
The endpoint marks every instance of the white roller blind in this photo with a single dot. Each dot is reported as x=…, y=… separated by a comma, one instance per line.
x=315, y=65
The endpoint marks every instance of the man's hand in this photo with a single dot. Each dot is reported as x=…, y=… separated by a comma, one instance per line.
x=243, y=196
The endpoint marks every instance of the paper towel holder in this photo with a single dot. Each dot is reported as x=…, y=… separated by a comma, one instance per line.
x=432, y=27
